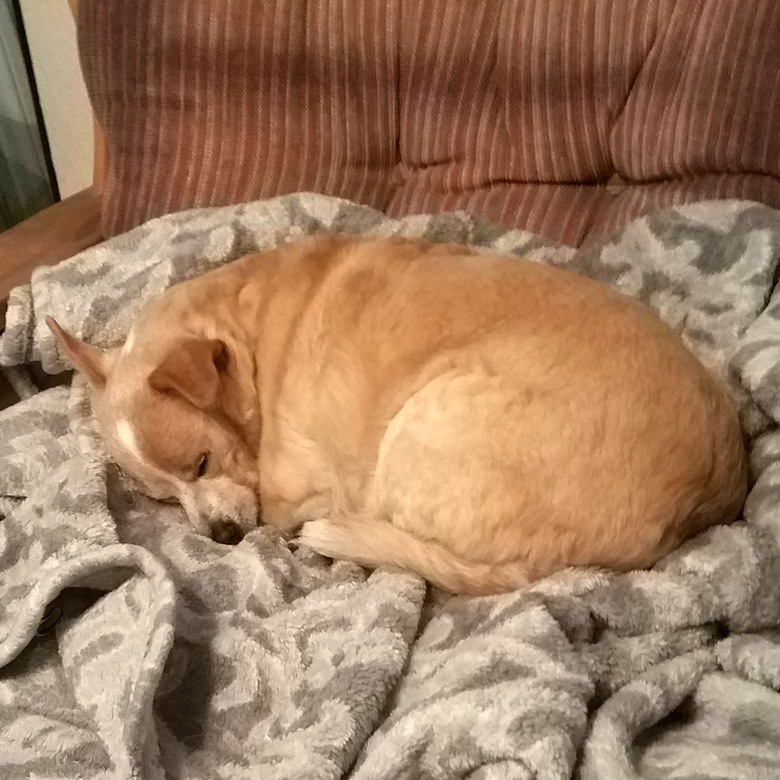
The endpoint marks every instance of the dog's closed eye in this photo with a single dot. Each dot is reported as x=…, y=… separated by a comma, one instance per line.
x=202, y=465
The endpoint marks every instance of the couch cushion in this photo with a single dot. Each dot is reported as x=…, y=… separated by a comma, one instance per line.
x=567, y=119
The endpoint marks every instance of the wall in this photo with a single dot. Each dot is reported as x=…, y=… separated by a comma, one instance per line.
x=51, y=35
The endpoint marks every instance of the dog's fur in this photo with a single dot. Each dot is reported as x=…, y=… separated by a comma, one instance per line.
x=480, y=420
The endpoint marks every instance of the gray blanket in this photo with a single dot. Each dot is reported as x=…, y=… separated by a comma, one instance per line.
x=132, y=648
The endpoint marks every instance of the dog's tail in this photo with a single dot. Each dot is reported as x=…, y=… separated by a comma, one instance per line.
x=377, y=543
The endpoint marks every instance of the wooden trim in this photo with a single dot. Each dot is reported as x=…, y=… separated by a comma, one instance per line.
x=46, y=238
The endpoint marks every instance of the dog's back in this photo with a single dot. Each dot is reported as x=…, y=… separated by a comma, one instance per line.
x=508, y=415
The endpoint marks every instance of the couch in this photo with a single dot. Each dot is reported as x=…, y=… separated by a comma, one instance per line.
x=565, y=118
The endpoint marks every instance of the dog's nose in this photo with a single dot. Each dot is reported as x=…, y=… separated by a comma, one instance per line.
x=226, y=532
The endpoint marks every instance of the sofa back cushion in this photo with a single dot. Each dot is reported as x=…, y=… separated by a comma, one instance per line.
x=564, y=118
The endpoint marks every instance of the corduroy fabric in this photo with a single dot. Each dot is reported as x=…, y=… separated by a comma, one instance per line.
x=564, y=118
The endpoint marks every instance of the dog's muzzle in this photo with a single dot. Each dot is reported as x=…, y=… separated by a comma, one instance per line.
x=226, y=532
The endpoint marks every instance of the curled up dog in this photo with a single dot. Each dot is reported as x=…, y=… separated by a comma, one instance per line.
x=480, y=420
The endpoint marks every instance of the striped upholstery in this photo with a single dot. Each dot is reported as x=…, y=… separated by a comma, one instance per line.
x=564, y=117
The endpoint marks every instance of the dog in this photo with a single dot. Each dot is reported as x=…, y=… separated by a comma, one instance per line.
x=480, y=420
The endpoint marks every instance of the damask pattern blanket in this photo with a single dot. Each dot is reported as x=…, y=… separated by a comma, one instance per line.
x=132, y=648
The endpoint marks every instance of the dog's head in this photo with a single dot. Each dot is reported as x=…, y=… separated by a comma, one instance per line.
x=161, y=405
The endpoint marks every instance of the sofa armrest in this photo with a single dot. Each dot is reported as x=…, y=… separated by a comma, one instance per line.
x=52, y=235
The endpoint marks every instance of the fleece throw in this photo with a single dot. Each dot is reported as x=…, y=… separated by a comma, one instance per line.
x=132, y=648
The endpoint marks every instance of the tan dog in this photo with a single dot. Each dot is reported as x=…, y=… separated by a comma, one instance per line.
x=480, y=420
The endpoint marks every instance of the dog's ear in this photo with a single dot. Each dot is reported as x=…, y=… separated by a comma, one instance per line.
x=192, y=367
x=88, y=360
